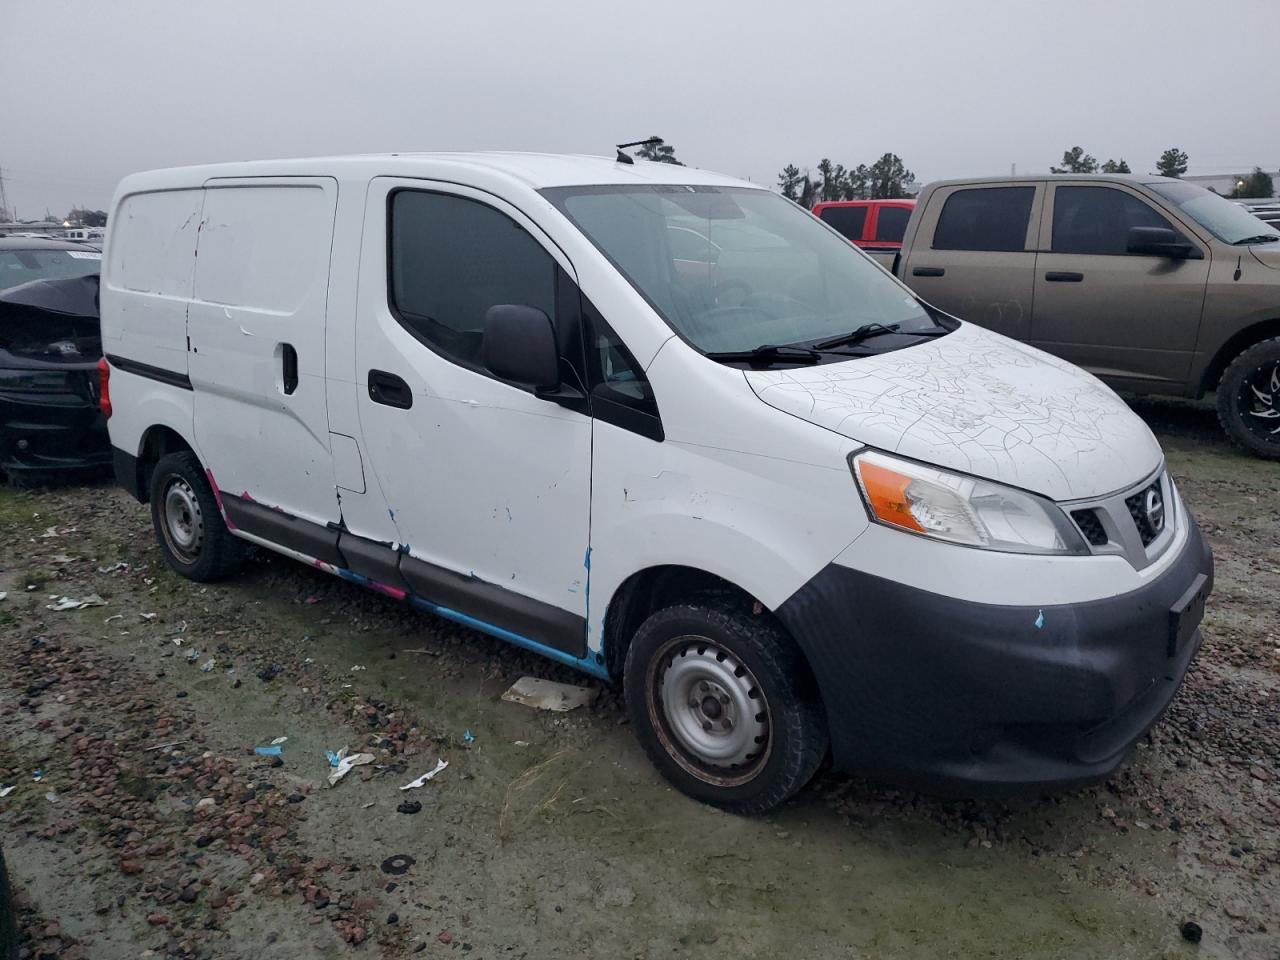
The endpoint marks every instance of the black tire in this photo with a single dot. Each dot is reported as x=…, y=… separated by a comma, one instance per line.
x=1249, y=400
x=8, y=922
x=751, y=651
x=212, y=553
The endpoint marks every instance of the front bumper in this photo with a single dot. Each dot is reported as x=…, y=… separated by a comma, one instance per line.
x=51, y=433
x=972, y=698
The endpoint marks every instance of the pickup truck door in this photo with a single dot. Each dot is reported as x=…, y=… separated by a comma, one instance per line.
x=973, y=253
x=1131, y=319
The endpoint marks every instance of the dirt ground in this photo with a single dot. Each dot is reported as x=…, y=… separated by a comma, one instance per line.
x=144, y=825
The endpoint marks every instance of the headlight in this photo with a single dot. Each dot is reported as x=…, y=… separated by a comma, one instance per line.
x=962, y=509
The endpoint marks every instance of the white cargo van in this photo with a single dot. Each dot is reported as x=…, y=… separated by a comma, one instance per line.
x=669, y=429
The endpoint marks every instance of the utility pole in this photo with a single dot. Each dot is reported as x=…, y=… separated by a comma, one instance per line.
x=4, y=199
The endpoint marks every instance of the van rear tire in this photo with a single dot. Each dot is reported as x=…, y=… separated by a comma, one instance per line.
x=1249, y=399
x=189, y=527
x=724, y=705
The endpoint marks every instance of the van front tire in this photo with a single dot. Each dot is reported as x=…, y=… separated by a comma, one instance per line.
x=189, y=527
x=724, y=705
x=1249, y=399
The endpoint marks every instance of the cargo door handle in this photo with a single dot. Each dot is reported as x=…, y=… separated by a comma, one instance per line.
x=928, y=271
x=288, y=368
x=389, y=390
x=1063, y=276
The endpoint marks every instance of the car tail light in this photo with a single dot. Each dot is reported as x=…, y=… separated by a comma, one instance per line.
x=104, y=392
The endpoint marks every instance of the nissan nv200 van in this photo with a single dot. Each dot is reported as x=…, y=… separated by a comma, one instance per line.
x=794, y=510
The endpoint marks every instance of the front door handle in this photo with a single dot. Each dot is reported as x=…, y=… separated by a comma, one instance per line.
x=928, y=271
x=1063, y=276
x=389, y=390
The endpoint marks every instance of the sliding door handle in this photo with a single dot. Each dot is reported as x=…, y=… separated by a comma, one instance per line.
x=1063, y=276
x=928, y=271
x=389, y=390
x=288, y=368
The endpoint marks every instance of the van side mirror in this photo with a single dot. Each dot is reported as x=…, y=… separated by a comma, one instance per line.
x=520, y=345
x=1160, y=242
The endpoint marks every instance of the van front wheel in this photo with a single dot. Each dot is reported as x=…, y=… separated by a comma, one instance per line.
x=189, y=527
x=724, y=705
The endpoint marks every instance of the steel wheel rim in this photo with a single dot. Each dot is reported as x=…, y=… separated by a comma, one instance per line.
x=1260, y=402
x=183, y=519
x=710, y=711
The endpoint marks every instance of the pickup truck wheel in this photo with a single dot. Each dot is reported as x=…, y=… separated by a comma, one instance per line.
x=189, y=527
x=1249, y=399
x=724, y=705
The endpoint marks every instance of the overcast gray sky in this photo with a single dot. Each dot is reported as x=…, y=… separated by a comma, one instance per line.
x=90, y=91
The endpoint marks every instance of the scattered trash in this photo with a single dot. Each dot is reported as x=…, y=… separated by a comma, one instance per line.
x=37, y=775
x=272, y=751
x=147, y=616
x=5, y=791
x=279, y=740
x=51, y=797
x=468, y=737
x=309, y=660
x=118, y=567
x=366, y=806
x=429, y=653
x=313, y=599
x=71, y=603
x=429, y=775
x=208, y=665
x=357, y=668
x=1191, y=932
x=193, y=656
x=409, y=806
x=549, y=695
x=345, y=763
x=4, y=594
x=49, y=532
x=267, y=674
x=1040, y=620
x=114, y=616
x=398, y=865
x=522, y=743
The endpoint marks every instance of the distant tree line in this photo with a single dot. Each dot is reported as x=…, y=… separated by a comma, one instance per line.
x=1172, y=163
x=87, y=218
x=886, y=179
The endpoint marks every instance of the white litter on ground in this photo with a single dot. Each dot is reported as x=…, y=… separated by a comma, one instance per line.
x=345, y=764
x=429, y=775
x=71, y=603
x=549, y=695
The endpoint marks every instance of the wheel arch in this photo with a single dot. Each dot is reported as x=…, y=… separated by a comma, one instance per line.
x=157, y=441
x=1236, y=344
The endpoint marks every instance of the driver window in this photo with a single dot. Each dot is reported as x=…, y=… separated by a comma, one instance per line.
x=1097, y=220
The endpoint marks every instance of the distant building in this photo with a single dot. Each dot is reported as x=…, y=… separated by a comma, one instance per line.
x=1225, y=183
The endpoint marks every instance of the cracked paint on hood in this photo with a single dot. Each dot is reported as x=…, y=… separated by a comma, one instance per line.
x=981, y=403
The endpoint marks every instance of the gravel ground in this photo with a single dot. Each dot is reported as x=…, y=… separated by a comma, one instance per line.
x=144, y=825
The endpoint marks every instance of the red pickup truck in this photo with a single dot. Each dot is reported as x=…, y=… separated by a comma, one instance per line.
x=870, y=224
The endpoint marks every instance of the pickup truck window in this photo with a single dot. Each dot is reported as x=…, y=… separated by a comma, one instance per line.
x=891, y=224
x=1221, y=217
x=986, y=218
x=1097, y=220
x=778, y=278
x=849, y=221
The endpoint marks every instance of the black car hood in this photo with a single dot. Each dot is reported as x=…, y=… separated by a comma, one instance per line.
x=51, y=321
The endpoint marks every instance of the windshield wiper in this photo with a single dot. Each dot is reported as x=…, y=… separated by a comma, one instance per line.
x=767, y=354
x=868, y=330
x=1260, y=238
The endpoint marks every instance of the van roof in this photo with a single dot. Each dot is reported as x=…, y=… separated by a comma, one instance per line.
x=537, y=170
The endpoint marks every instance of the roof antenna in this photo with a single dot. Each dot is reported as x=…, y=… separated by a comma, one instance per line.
x=626, y=158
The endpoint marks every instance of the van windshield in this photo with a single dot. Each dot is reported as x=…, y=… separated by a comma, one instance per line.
x=1225, y=220
x=735, y=269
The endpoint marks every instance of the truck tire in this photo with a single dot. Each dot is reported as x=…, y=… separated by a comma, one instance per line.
x=1249, y=399
x=8, y=923
x=189, y=527
x=724, y=705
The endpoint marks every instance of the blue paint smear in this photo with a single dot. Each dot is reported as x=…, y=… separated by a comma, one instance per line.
x=272, y=751
x=1040, y=621
x=586, y=664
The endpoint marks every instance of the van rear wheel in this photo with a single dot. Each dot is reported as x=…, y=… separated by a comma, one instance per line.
x=1249, y=399
x=189, y=527
x=724, y=705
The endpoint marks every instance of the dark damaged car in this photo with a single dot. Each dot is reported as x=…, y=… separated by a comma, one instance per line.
x=50, y=345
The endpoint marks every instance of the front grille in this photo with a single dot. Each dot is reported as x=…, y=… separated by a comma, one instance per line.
x=1149, y=527
x=1090, y=526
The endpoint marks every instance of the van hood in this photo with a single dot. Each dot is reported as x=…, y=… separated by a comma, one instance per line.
x=980, y=403
x=1267, y=254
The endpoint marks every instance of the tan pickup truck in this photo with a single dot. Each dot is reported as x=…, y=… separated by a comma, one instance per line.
x=1152, y=284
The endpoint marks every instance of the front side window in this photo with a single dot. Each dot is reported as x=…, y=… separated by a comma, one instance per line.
x=451, y=259
x=848, y=221
x=777, y=278
x=989, y=218
x=891, y=224
x=1097, y=220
